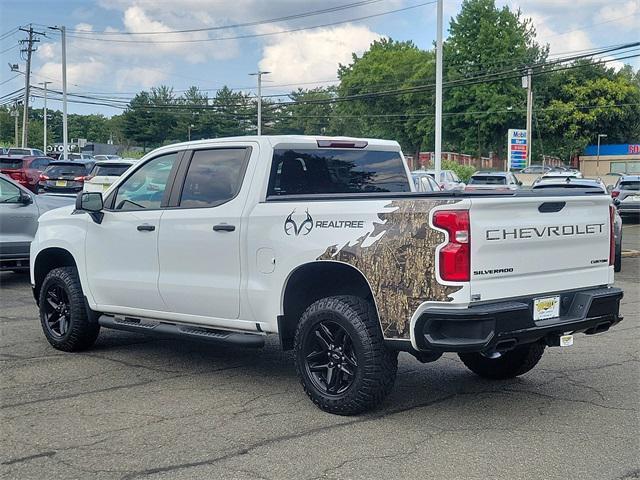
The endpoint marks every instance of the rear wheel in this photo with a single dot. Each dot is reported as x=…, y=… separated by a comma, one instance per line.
x=63, y=313
x=340, y=356
x=508, y=365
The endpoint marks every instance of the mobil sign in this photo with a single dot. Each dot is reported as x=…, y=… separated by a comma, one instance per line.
x=517, y=148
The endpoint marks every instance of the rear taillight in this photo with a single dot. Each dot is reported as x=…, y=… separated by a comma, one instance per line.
x=615, y=193
x=455, y=256
x=80, y=179
x=43, y=178
x=18, y=175
x=612, y=239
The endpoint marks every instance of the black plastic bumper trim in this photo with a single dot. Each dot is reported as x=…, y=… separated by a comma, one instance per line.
x=507, y=324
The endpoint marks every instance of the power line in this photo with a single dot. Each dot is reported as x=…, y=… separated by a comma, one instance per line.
x=255, y=35
x=239, y=25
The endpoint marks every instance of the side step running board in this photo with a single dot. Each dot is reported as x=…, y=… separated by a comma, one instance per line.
x=210, y=335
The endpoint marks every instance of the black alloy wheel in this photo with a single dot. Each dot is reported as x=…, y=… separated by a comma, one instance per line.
x=330, y=359
x=57, y=310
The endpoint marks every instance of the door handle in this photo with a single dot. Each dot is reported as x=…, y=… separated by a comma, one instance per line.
x=146, y=228
x=223, y=227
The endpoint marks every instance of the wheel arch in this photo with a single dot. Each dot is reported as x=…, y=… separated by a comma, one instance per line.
x=46, y=260
x=315, y=280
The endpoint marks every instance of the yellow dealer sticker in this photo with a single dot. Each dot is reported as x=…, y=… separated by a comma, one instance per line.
x=548, y=307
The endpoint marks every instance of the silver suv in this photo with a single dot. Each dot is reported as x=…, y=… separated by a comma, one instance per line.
x=626, y=194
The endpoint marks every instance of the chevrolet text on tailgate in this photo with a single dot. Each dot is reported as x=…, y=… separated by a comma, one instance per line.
x=324, y=242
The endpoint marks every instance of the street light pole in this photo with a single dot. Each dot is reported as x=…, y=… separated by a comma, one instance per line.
x=44, y=117
x=259, y=75
x=600, y=135
x=65, y=135
x=189, y=127
x=529, y=114
x=438, y=139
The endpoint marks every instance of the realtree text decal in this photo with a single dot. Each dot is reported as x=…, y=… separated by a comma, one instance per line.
x=291, y=226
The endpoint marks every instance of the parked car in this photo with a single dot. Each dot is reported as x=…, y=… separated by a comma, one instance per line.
x=19, y=212
x=560, y=175
x=425, y=183
x=26, y=152
x=69, y=176
x=448, y=180
x=99, y=158
x=24, y=170
x=104, y=173
x=589, y=185
x=80, y=156
x=493, y=181
x=324, y=243
x=626, y=195
x=539, y=169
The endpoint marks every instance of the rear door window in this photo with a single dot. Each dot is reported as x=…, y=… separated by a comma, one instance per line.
x=337, y=171
x=214, y=177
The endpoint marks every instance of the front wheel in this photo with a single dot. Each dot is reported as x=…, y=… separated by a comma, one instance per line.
x=63, y=313
x=340, y=356
x=508, y=365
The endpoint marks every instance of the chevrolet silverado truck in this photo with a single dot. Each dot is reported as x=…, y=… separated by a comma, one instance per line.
x=325, y=243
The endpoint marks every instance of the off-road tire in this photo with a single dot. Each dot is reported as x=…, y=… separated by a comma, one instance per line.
x=82, y=330
x=509, y=365
x=376, y=365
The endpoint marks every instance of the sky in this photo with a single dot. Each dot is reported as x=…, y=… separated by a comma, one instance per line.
x=299, y=58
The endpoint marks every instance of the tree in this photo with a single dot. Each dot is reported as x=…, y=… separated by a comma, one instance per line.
x=486, y=40
x=387, y=66
x=310, y=115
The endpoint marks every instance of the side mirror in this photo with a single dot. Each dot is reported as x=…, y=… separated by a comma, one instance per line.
x=91, y=202
x=616, y=202
x=519, y=182
x=25, y=199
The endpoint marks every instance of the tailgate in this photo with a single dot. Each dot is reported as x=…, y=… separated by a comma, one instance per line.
x=532, y=245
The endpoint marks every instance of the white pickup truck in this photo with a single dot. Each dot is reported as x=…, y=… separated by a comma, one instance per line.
x=324, y=242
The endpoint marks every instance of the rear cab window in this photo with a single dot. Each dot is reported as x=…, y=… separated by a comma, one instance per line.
x=300, y=171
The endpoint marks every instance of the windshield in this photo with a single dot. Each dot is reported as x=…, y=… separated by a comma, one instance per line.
x=487, y=180
x=13, y=163
x=109, y=170
x=65, y=170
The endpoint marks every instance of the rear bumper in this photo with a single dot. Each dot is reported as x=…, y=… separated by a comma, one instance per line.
x=503, y=325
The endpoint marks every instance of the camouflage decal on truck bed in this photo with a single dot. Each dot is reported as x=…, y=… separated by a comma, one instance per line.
x=400, y=264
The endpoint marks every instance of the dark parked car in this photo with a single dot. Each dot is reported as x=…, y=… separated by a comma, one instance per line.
x=69, y=176
x=587, y=184
x=19, y=213
x=626, y=195
x=493, y=181
x=24, y=170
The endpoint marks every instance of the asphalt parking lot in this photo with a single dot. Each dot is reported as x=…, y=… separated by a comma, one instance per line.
x=137, y=407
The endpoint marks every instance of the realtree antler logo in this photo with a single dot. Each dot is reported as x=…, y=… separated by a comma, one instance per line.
x=292, y=228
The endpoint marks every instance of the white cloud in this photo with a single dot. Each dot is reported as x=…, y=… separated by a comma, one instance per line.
x=315, y=54
x=624, y=14
x=89, y=72
x=140, y=76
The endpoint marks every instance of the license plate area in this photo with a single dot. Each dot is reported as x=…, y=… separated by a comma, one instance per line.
x=546, y=307
x=61, y=183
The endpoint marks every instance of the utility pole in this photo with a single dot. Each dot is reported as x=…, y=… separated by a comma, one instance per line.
x=15, y=114
x=259, y=75
x=600, y=135
x=65, y=136
x=28, y=50
x=44, y=117
x=438, y=139
x=528, y=80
